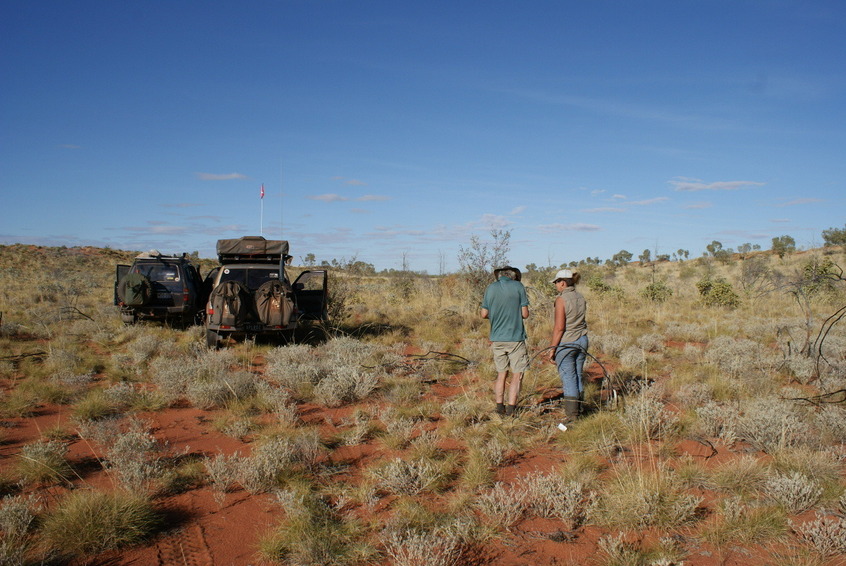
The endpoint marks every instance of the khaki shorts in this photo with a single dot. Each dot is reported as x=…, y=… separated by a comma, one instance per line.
x=510, y=354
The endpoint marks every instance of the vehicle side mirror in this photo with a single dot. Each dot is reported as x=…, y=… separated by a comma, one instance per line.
x=299, y=286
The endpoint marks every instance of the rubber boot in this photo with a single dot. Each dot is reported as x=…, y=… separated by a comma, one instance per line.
x=571, y=408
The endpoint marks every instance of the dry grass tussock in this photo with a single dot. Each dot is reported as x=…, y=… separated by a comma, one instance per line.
x=742, y=356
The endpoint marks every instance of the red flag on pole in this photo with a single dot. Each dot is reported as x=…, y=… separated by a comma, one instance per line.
x=262, y=191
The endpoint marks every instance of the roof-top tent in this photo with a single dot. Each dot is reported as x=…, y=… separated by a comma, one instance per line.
x=252, y=249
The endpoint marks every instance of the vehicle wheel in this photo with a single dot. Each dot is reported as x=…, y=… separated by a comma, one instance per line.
x=128, y=317
x=212, y=339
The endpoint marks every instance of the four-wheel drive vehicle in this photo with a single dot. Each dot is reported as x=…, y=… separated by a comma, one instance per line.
x=159, y=287
x=250, y=294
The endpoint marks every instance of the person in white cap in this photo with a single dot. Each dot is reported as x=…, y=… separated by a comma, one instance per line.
x=569, y=342
x=507, y=305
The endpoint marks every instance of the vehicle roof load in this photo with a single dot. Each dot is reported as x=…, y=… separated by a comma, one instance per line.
x=250, y=249
x=156, y=254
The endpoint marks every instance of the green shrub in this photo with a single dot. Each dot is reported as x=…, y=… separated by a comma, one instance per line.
x=657, y=292
x=718, y=293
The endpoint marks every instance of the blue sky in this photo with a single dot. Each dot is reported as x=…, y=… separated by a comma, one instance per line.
x=382, y=129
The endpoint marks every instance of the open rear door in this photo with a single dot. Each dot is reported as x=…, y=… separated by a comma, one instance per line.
x=120, y=272
x=310, y=289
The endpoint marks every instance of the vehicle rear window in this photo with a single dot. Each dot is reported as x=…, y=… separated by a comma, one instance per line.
x=252, y=277
x=159, y=273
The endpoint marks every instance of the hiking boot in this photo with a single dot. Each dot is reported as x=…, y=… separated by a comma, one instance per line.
x=500, y=409
x=572, y=406
x=510, y=410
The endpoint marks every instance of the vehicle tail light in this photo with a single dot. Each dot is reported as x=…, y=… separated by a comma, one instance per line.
x=185, y=297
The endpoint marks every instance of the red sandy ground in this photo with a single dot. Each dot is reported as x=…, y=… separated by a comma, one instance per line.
x=204, y=532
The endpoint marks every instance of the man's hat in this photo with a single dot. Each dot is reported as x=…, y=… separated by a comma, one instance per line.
x=497, y=272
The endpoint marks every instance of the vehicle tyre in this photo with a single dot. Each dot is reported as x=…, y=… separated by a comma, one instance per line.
x=212, y=339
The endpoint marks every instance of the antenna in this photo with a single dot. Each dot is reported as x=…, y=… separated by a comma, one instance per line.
x=282, y=260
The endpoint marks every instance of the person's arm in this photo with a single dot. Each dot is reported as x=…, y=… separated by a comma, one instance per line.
x=485, y=313
x=558, y=326
x=524, y=302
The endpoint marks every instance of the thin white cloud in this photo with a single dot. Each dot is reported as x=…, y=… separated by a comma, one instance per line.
x=517, y=210
x=690, y=185
x=744, y=234
x=360, y=211
x=493, y=221
x=369, y=198
x=181, y=205
x=614, y=107
x=158, y=229
x=604, y=209
x=597, y=191
x=577, y=227
x=800, y=201
x=698, y=205
x=346, y=181
x=619, y=197
x=780, y=220
x=648, y=201
x=329, y=197
x=220, y=177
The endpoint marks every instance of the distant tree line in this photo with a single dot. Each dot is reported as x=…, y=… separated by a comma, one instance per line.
x=478, y=260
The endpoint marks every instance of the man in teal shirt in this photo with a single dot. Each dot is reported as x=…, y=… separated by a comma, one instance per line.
x=506, y=305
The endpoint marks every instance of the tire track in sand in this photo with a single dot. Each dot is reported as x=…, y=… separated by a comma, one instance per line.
x=186, y=547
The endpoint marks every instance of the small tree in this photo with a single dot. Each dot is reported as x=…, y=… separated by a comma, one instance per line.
x=622, y=258
x=645, y=257
x=783, y=245
x=835, y=237
x=479, y=260
x=714, y=248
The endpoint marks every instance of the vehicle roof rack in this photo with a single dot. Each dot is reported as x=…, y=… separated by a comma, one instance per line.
x=251, y=249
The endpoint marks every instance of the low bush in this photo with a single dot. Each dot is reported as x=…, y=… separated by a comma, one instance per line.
x=89, y=522
x=718, y=293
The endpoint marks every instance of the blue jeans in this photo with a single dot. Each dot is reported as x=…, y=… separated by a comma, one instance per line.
x=570, y=359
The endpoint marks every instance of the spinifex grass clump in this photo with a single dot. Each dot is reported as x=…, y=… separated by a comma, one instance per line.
x=44, y=462
x=744, y=523
x=88, y=522
x=637, y=498
x=313, y=532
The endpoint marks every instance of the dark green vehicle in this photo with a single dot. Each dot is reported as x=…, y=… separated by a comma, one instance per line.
x=159, y=287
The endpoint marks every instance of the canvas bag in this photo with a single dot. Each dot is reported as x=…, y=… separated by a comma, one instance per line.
x=230, y=304
x=273, y=303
